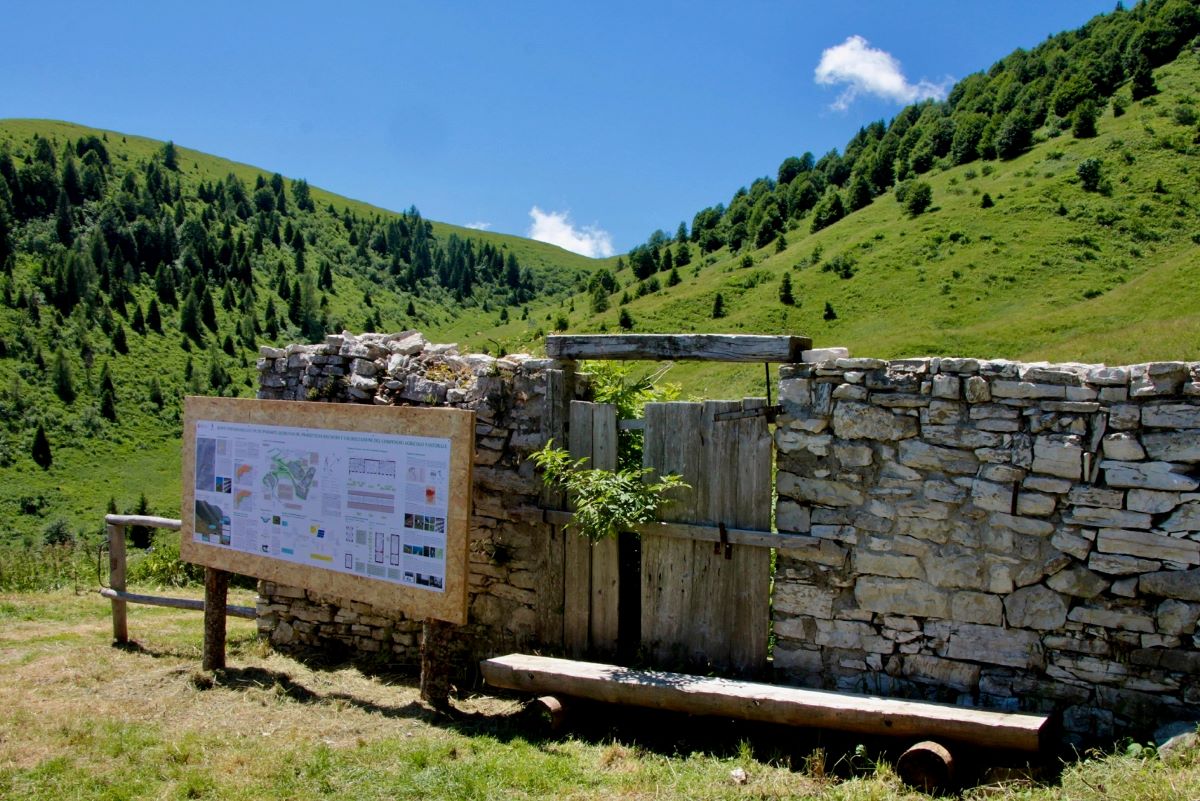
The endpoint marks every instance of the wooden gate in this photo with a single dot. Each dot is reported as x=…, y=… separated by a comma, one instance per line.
x=703, y=604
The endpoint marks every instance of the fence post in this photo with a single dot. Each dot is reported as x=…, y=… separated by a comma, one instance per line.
x=116, y=580
x=216, y=590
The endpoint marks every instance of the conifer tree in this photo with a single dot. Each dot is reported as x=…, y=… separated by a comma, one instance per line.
x=41, y=448
x=785, y=291
x=108, y=394
x=64, y=385
x=119, y=343
x=153, y=318
x=718, y=307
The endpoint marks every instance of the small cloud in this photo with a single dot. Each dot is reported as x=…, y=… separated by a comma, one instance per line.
x=556, y=228
x=478, y=226
x=864, y=69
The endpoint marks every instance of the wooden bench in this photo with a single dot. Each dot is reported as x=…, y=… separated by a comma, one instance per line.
x=768, y=703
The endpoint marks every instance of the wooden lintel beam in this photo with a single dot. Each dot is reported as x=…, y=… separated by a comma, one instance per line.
x=698, y=533
x=789, y=706
x=678, y=347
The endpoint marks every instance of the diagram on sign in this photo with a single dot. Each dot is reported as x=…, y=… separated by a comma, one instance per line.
x=370, y=504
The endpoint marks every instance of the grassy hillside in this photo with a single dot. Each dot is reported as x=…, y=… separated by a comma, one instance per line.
x=1050, y=271
x=76, y=300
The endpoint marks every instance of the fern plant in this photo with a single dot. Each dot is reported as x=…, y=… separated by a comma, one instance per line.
x=605, y=501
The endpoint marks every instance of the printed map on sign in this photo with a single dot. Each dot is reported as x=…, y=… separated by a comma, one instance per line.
x=368, y=504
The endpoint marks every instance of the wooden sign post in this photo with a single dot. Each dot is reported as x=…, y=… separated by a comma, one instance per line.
x=368, y=503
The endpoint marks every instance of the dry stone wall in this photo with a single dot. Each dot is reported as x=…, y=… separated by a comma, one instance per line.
x=508, y=541
x=1019, y=536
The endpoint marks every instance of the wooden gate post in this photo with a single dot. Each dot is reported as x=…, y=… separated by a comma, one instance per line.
x=116, y=580
x=437, y=666
x=216, y=591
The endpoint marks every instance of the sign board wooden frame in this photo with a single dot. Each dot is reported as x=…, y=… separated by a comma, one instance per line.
x=440, y=424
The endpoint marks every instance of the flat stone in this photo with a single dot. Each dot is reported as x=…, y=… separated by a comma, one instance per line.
x=1173, y=446
x=1096, y=496
x=1058, y=455
x=1057, y=486
x=1035, y=607
x=1022, y=525
x=1156, y=379
x=946, y=386
x=1071, y=543
x=795, y=598
x=1027, y=389
x=988, y=644
x=821, y=355
x=863, y=363
x=961, y=437
x=1148, y=545
x=1064, y=374
x=1078, y=582
x=1097, y=517
x=1108, y=376
x=1176, y=618
x=1124, y=416
x=1123, y=447
x=849, y=634
x=990, y=496
x=901, y=597
x=853, y=420
x=1181, y=584
x=977, y=390
x=1147, y=475
x=819, y=491
x=1036, y=504
x=1171, y=415
x=1152, y=502
x=1125, y=620
x=1186, y=518
x=918, y=454
x=881, y=564
x=977, y=607
x=791, y=516
x=927, y=669
x=853, y=455
x=1118, y=565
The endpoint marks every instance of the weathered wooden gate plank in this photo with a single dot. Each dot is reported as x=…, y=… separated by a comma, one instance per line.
x=550, y=593
x=605, y=556
x=752, y=566
x=678, y=347
x=577, y=572
x=674, y=444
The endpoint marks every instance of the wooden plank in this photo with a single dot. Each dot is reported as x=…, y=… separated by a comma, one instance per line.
x=552, y=554
x=678, y=347
x=750, y=593
x=674, y=444
x=711, y=625
x=790, y=706
x=143, y=520
x=577, y=564
x=705, y=533
x=605, y=600
x=116, y=580
x=194, y=604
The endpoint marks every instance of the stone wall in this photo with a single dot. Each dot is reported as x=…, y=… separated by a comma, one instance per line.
x=508, y=541
x=1018, y=536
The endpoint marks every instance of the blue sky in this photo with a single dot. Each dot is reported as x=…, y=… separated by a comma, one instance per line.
x=589, y=125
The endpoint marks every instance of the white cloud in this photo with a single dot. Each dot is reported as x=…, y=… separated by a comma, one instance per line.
x=478, y=226
x=556, y=228
x=864, y=69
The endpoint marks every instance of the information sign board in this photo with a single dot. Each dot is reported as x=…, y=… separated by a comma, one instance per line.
x=369, y=503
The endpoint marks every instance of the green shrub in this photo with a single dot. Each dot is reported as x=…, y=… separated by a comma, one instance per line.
x=160, y=566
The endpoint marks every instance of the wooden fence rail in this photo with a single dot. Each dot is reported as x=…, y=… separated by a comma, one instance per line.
x=115, y=591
